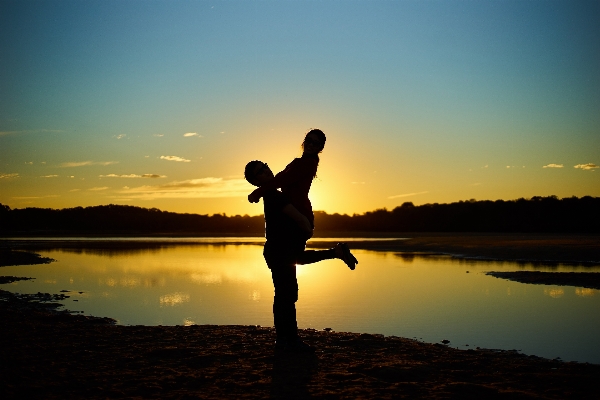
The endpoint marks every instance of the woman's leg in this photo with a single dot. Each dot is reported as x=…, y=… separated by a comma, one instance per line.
x=313, y=256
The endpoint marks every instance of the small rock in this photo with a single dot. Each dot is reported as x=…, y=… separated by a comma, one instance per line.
x=445, y=341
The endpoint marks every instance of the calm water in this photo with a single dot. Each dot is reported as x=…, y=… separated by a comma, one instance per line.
x=427, y=298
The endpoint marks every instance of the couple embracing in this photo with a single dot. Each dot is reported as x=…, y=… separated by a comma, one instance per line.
x=289, y=223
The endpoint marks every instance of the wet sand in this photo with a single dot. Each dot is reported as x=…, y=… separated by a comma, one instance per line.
x=10, y=257
x=50, y=354
x=590, y=280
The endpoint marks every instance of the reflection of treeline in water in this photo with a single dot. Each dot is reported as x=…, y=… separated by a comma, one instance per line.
x=538, y=214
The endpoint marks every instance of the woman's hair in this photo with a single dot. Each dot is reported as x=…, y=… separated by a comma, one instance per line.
x=318, y=133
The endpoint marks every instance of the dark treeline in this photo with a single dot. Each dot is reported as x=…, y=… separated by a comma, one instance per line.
x=119, y=218
x=538, y=214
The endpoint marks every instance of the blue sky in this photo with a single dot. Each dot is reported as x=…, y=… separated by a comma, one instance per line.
x=423, y=101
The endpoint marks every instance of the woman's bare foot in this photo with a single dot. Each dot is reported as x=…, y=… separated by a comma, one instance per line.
x=342, y=251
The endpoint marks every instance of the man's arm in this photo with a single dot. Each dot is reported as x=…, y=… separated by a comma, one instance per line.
x=299, y=218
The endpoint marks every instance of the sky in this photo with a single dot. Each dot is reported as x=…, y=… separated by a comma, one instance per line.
x=162, y=103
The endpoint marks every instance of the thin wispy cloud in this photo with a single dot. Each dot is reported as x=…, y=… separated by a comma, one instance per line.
x=4, y=133
x=49, y=176
x=121, y=136
x=553, y=166
x=86, y=163
x=191, y=134
x=133, y=176
x=587, y=167
x=407, y=195
x=191, y=188
x=34, y=197
x=97, y=189
x=120, y=176
x=9, y=176
x=153, y=176
x=76, y=164
x=174, y=158
x=158, y=135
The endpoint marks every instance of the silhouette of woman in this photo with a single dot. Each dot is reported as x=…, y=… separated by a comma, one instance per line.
x=285, y=250
x=295, y=180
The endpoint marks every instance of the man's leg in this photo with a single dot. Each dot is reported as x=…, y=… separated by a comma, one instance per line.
x=281, y=261
x=283, y=271
x=284, y=301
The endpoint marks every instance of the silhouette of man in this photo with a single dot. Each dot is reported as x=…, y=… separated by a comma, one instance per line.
x=287, y=231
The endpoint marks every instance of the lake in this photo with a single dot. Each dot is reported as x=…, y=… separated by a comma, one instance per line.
x=226, y=281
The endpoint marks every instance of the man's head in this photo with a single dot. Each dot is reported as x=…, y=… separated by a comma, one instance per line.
x=257, y=173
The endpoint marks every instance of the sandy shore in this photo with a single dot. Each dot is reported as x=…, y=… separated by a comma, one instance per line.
x=57, y=355
x=49, y=354
x=590, y=280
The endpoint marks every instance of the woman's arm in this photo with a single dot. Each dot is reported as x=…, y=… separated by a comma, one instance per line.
x=298, y=169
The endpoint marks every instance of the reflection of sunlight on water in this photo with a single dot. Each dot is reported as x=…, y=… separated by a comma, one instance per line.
x=255, y=295
x=153, y=282
x=389, y=292
x=174, y=299
x=130, y=282
x=124, y=282
x=51, y=281
x=210, y=279
x=554, y=293
x=585, y=292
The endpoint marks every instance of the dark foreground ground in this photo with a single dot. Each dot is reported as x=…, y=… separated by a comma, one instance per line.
x=57, y=355
x=49, y=354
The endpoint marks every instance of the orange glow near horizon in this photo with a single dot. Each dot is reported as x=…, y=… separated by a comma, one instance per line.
x=420, y=102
